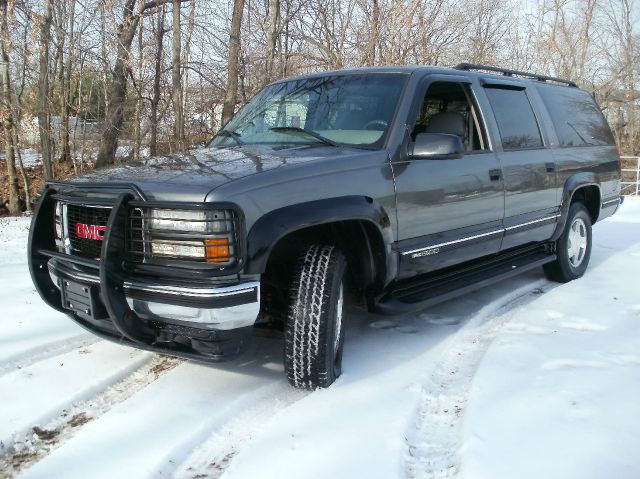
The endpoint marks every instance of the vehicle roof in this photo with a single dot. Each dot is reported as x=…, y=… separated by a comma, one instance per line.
x=410, y=69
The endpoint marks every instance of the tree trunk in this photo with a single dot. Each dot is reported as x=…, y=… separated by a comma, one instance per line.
x=23, y=173
x=5, y=112
x=65, y=88
x=374, y=35
x=230, y=99
x=176, y=50
x=153, y=141
x=114, y=117
x=44, y=110
x=118, y=89
x=186, y=61
x=274, y=20
x=139, y=105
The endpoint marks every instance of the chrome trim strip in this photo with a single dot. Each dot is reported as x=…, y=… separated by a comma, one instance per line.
x=490, y=233
x=212, y=292
x=532, y=222
x=66, y=241
x=75, y=276
x=242, y=288
x=469, y=238
x=605, y=204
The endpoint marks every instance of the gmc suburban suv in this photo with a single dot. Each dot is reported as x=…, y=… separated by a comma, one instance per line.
x=403, y=186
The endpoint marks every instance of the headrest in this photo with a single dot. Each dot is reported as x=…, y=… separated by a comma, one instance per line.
x=449, y=122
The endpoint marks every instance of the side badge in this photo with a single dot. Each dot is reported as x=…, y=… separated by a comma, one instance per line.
x=427, y=252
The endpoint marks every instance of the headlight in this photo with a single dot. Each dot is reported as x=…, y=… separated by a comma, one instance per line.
x=198, y=221
x=201, y=235
x=189, y=249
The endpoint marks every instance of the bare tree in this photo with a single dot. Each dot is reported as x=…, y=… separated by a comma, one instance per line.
x=274, y=20
x=176, y=57
x=6, y=115
x=126, y=31
x=234, y=57
x=155, y=99
x=65, y=87
x=44, y=109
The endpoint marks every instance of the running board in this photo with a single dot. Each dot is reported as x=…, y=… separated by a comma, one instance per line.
x=424, y=291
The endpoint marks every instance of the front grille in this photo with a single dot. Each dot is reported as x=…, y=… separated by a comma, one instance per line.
x=90, y=216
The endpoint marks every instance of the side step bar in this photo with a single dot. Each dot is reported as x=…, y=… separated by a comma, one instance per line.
x=424, y=291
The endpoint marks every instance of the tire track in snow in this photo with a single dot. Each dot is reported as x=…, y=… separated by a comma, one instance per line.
x=172, y=417
x=433, y=438
x=46, y=351
x=212, y=458
x=31, y=447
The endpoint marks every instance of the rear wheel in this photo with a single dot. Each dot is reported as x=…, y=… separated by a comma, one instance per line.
x=573, y=247
x=314, y=333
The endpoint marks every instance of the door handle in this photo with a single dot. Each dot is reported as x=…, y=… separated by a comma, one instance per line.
x=551, y=167
x=494, y=174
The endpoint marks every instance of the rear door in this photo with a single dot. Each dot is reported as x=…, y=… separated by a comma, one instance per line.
x=448, y=210
x=531, y=206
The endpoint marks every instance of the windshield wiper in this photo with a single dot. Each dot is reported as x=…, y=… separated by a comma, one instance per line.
x=230, y=134
x=297, y=129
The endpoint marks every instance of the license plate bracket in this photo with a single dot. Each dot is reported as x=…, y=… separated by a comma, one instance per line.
x=82, y=299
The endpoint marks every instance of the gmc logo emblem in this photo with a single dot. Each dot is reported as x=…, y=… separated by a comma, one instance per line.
x=90, y=231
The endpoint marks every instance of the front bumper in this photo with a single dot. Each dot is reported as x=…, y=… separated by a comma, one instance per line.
x=202, y=319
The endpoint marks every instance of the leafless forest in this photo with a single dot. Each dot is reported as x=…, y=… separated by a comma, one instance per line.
x=89, y=82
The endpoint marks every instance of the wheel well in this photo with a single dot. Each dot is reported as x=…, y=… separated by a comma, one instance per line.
x=359, y=240
x=589, y=196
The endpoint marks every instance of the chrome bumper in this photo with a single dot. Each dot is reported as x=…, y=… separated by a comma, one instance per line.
x=222, y=308
x=213, y=307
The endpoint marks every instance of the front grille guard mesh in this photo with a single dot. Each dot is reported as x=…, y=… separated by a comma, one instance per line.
x=141, y=236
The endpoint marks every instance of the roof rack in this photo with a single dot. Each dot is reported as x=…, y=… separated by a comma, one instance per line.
x=512, y=73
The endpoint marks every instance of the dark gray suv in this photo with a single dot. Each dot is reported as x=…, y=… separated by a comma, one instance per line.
x=401, y=186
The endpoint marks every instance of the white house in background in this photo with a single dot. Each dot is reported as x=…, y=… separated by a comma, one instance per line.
x=29, y=131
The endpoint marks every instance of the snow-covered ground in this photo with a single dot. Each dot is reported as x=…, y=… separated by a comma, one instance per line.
x=29, y=156
x=523, y=379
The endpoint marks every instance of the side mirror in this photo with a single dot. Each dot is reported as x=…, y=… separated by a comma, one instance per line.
x=436, y=146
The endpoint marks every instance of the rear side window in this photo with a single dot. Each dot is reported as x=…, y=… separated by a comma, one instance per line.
x=516, y=121
x=576, y=117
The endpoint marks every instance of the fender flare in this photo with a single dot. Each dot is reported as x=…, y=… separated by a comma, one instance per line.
x=275, y=225
x=573, y=183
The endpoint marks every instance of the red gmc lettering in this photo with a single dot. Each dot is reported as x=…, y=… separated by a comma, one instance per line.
x=90, y=231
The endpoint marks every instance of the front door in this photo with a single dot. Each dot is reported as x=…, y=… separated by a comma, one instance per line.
x=450, y=210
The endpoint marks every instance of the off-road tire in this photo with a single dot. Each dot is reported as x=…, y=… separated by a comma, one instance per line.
x=562, y=270
x=314, y=332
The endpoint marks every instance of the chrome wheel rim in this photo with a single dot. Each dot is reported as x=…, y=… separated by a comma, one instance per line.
x=338, y=328
x=577, y=242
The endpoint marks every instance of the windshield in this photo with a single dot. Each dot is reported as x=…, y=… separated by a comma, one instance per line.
x=352, y=110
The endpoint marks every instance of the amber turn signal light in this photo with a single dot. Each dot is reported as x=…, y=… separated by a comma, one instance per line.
x=217, y=250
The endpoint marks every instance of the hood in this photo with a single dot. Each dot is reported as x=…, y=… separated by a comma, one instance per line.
x=190, y=176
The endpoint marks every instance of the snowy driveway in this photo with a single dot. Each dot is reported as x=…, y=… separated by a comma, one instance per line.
x=522, y=379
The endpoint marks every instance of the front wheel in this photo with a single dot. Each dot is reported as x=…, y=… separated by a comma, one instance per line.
x=314, y=333
x=573, y=247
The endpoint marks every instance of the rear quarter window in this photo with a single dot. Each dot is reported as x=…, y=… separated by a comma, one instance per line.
x=576, y=117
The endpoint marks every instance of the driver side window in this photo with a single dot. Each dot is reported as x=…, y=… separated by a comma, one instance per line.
x=448, y=108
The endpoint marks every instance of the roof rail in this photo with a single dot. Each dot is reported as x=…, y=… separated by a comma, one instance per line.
x=511, y=73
